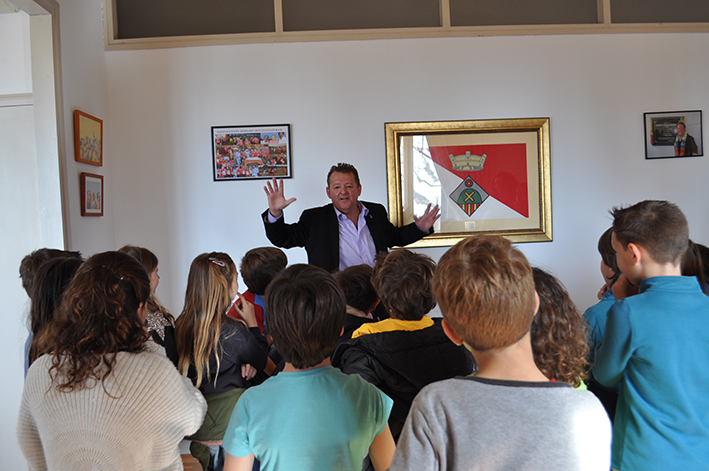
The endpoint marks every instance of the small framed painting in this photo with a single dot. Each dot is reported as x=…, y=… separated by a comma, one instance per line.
x=251, y=152
x=671, y=134
x=91, y=194
x=88, y=139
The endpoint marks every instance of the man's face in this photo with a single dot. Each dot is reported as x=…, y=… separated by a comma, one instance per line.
x=344, y=191
x=681, y=130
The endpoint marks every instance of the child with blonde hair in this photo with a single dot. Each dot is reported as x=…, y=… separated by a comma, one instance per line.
x=220, y=354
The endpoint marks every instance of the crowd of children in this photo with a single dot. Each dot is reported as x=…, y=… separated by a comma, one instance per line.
x=297, y=373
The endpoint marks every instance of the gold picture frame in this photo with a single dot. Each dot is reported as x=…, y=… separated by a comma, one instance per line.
x=488, y=177
x=88, y=139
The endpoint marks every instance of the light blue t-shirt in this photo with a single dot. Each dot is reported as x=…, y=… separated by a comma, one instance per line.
x=312, y=420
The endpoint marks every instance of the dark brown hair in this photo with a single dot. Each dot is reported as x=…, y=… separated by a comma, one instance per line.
x=343, y=168
x=402, y=280
x=50, y=282
x=693, y=264
x=98, y=318
x=150, y=262
x=605, y=248
x=559, y=333
x=31, y=263
x=305, y=312
x=356, y=284
x=260, y=266
x=658, y=226
x=486, y=291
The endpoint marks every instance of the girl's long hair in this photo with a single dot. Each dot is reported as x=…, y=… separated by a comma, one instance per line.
x=199, y=325
x=150, y=262
x=98, y=318
x=559, y=333
x=50, y=282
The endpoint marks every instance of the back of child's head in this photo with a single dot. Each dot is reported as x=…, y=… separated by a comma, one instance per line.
x=150, y=262
x=31, y=263
x=693, y=264
x=49, y=285
x=558, y=332
x=260, y=266
x=605, y=248
x=305, y=313
x=485, y=289
x=99, y=315
x=657, y=226
x=356, y=284
x=207, y=299
x=402, y=280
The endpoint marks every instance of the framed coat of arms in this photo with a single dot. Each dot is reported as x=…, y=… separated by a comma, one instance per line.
x=488, y=176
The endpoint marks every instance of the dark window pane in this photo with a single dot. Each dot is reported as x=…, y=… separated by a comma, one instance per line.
x=313, y=15
x=522, y=12
x=659, y=11
x=154, y=18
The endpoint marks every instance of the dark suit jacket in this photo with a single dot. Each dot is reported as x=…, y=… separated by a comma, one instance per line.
x=318, y=231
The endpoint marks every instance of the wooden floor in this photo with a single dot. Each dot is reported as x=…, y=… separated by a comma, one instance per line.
x=190, y=463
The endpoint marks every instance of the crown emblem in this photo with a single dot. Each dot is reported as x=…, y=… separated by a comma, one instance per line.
x=467, y=162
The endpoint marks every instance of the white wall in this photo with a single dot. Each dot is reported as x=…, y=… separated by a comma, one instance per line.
x=16, y=70
x=84, y=88
x=337, y=96
x=20, y=232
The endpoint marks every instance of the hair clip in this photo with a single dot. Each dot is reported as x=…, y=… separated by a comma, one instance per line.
x=217, y=262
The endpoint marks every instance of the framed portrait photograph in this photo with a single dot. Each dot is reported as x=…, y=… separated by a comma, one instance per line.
x=88, y=139
x=671, y=134
x=251, y=152
x=487, y=176
x=91, y=194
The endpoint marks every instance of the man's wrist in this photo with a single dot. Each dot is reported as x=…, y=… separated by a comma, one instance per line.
x=272, y=218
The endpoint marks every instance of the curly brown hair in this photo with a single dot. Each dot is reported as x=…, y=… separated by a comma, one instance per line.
x=559, y=337
x=98, y=318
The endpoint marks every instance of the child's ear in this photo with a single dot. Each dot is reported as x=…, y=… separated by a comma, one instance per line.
x=536, y=303
x=451, y=334
x=636, y=251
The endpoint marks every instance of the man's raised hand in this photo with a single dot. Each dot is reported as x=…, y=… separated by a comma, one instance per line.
x=276, y=201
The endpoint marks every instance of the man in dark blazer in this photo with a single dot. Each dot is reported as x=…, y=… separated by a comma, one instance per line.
x=345, y=232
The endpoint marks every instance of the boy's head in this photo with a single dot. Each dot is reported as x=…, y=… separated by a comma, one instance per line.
x=305, y=312
x=609, y=266
x=486, y=292
x=261, y=265
x=659, y=227
x=356, y=284
x=402, y=280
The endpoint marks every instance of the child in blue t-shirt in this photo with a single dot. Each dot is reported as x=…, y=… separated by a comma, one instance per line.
x=655, y=345
x=596, y=316
x=310, y=416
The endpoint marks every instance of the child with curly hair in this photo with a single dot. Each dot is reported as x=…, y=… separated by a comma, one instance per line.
x=558, y=333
